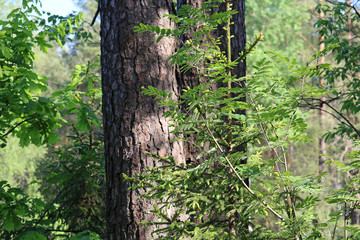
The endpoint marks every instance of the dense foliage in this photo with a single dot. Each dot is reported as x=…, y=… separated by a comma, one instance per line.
x=61, y=209
x=217, y=196
x=24, y=112
x=340, y=29
x=211, y=199
x=71, y=178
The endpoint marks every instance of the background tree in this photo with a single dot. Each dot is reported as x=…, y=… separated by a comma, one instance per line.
x=200, y=189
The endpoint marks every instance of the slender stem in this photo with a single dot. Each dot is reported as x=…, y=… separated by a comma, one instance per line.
x=18, y=124
x=352, y=210
x=334, y=231
x=228, y=33
x=252, y=46
x=337, y=112
x=228, y=37
x=215, y=45
x=345, y=221
x=240, y=178
x=291, y=202
x=230, y=150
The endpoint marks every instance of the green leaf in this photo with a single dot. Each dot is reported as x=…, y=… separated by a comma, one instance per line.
x=11, y=221
x=32, y=235
x=6, y=52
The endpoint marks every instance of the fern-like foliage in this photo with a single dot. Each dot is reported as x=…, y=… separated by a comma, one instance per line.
x=212, y=198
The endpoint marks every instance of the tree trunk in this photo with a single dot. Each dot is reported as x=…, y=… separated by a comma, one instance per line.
x=238, y=43
x=133, y=122
x=189, y=79
x=322, y=144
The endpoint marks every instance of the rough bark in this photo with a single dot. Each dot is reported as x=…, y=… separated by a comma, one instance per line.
x=238, y=43
x=188, y=79
x=133, y=123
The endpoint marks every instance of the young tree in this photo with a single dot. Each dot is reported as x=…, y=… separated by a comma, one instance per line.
x=133, y=123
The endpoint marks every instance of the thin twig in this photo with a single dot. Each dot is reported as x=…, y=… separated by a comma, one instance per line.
x=337, y=112
x=276, y=153
x=18, y=124
x=95, y=16
x=306, y=40
x=240, y=178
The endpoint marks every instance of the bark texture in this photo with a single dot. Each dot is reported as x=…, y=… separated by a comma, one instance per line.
x=133, y=123
x=189, y=79
x=238, y=42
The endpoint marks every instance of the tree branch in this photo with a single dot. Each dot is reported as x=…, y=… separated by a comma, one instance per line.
x=18, y=124
x=240, y=178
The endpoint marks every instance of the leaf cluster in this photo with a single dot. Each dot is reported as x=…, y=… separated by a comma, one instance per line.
x=23, y=111
x=212, y=198
x=340, y=29
x=71, y=177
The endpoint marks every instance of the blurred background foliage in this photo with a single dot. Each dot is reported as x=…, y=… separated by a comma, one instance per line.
x=57, y=65
x=67, y=177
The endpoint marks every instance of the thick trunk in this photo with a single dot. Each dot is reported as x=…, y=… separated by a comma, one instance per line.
x=133, y=123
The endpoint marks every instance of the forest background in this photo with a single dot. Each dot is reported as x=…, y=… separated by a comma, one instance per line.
x=56, y=172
